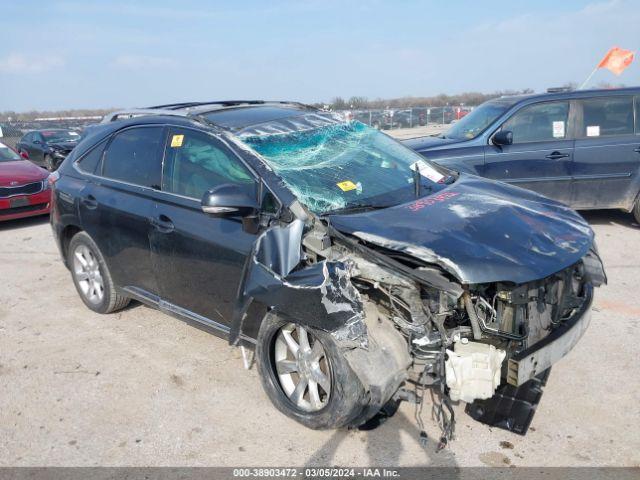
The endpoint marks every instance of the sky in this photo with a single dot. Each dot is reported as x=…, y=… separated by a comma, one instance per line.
x=102, y=54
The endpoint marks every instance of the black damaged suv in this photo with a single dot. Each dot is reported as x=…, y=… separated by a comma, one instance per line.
x=356, y=269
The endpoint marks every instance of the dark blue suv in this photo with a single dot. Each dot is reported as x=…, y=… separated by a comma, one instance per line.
x=581, y=148
x=352, y=266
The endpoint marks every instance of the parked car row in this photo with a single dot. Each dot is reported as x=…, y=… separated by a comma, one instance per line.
x=358, y=271
x=408, y=118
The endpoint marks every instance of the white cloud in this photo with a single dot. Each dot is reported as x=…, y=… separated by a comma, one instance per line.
x=604, y=7
x=140, y=62
x=17, y=63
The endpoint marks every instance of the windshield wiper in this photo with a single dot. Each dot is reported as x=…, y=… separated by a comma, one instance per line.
x=354, y=208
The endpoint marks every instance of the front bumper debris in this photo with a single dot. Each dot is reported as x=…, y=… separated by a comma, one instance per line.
x=511, y=408
x=541, y=356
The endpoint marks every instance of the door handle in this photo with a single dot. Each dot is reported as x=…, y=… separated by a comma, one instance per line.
x=557, y=155
x=90, y=202
x=637, y=150
x=163, y=224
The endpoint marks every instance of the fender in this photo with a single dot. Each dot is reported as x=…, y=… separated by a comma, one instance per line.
x=319, y=295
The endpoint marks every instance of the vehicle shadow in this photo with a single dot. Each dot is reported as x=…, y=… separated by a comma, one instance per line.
x=384, y=446
x=610, y=217
x=23, y=222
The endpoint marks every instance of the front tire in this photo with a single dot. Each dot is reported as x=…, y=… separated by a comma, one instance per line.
x=636, y=211
x=306, y=376
x=49, y=163
x=91, y=276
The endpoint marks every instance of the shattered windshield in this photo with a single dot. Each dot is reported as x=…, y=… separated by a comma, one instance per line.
x=345, y=165
x=473, y=124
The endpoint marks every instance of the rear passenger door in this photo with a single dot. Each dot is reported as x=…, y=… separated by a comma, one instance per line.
x=198, y=258
x=540, y=157
x=118, y=201
x=607, y=153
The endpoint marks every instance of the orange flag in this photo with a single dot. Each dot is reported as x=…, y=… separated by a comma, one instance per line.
x=616, y=60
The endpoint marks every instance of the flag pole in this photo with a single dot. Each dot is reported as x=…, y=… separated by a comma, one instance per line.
x=584, y=84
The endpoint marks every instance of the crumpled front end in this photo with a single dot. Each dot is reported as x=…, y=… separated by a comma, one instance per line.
x=406, y=324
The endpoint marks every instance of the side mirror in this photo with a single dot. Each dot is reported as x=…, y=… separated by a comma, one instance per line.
x=24, y=155
x=230, y=199
x=503, y=137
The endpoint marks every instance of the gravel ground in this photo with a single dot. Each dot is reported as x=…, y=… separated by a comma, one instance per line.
x=142, y=388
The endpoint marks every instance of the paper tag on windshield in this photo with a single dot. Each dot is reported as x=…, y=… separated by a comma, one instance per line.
x=593, y=131
x=347, y=185
x=176, y=140
x=558, y=129
x=428, y=171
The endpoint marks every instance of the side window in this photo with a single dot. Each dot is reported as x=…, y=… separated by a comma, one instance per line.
x=606, y=116
x=28, y=138
x=542, y=122
x=135, y=156
x=196, y=162
x=89, y=162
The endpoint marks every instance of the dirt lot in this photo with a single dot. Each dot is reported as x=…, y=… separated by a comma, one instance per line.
x=142, y=388
x=405, y=133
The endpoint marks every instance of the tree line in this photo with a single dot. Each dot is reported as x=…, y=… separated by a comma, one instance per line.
x=442, y=100
x=337, y=103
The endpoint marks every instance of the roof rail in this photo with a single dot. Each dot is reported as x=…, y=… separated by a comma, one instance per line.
x=137, y=112
x=559, y=89
x=225, y=103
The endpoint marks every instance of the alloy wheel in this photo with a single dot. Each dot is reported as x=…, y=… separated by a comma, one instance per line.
x=302, y=367
x=86, y=269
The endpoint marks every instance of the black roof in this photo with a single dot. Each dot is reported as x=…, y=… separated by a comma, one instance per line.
x=237, y=114
x=569, y=94
x=226, y=114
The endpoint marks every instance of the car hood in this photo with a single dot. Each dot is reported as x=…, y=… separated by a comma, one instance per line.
x=20, y=171
x=63, y=146
x=478, y=230
x=424, y=143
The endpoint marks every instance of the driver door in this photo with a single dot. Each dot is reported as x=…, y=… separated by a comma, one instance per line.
x=541, y=155
x=35, y=148
x=198, y=258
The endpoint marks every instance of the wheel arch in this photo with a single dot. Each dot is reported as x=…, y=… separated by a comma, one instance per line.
x=66, y=234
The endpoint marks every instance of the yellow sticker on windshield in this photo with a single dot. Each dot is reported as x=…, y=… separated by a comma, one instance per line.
x=176, y=140
x=346, y=185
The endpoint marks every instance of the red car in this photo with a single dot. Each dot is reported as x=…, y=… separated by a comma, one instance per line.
x=24, y=188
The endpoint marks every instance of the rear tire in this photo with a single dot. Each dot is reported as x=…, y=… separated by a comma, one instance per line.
x=342, y=401
x=91, y=276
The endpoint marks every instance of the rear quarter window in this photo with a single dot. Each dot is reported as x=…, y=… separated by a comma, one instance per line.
x=90, y=161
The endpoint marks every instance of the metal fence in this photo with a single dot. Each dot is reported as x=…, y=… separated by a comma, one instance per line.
x=411, y=117
x=12, y=131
